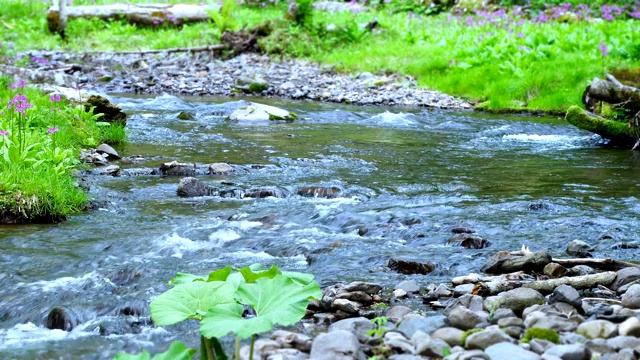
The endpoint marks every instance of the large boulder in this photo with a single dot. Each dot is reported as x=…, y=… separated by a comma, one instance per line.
x=255, y=112
x=337, y=345
x=190, y=187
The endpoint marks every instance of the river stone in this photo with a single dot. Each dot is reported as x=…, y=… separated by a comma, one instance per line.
x=183, y=115
x=412, y=323
x=569, y=352
x=408, y=286
x=468, y=241
x=541, y=320
x=110, y=170
x=410, y=267
x=566, y=294
x=539, y=346
x=520, y=299
x=554, y=270
x=511, y=321
x=347, y=306
x=462, y=230
x=106, y=149
x=531, y=262
x=450, y=335
x=468, y=355
x=259, y=112
x=336, y=345
x=358, y=326
x=175, y=168
x=112, y=114
x=509, y=351
x=286, y=354
x=62, y=319
x=464, y=289
x=465, y=319
x=623, y=342
x=366, y=287
x=443, y=290
x=597, y=329
x=434, y=348
x=579, y=248
x=483, y=339
x=471, y=302
x=494, y=264
x=501, y=314
x=261, y=193
x=319, y=191
x=220, y=169
x=630, y=327
x=397, y=312
x=625, y=276
x=251, y=83
x=631, y=298
x=190, y=187
x=357, y=296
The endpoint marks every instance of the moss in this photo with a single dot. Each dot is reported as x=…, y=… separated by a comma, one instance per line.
x=618, y=132
x=183, y=115
x=466, y=334
x=541, y=333
x=257, y=87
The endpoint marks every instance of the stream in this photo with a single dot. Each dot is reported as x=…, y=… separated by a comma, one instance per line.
x=407, y=175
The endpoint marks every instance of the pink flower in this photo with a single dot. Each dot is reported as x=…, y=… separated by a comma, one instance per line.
x=4, y=133
x=52, y=130
x=604, y=51
x=54, y=98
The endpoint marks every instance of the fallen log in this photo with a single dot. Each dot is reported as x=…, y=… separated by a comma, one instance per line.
x=612, y=91
x=138, y=14
x=618, y=133
x=600, y=264
x=577, y=282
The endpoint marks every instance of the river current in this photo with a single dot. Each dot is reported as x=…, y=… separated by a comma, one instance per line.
x=408, y=176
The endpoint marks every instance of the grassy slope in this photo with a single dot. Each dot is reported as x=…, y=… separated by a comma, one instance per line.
x=504, y=63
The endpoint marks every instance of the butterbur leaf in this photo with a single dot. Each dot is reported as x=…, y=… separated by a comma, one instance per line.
x=298, y=277
x=279, y=300
x=184, y=278
x=190, y=300
x=251, y=276
x=177, y=351
x=220, y=274
x=214, y=345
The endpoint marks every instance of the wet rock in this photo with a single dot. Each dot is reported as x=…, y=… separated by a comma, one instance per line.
x=580, y=270
x=569, y=352
x=337, y=345
x=399, y=293
x=501, y=314
x=251, y=84
x=359, y=326
x=509, y=351
x=357, y=296
x=631, y=298
x=450, y=335
x=579, y=248
x=410, y=267
x=93, y=157
x=483, y=339
x=623, y=342
x=494, y=264
x=106, y=149
x=463, y=289
x=465, y=319
x=471, y=302
x=260, y=112
x=366, y=287
x=265, y=192
x=348, y=306
x=408, y=286
x=539, y=346
x=625, y=276
x=630, y=327
x=289, y=339
x=175, y=168
x=109, y=170
x=566, y=294
x=396, y=313
x=62, y=319
x=554, y=270
x=532, y=262
x=234, y=193
x=462, y=230
x=220, y=169
x=434, y=348
x=183, y=115
x=468, y=355
x=319, y=191
x=520, y=298
x=191, y=187
x=412, y=323
x=625, y=245
x=597, y=329
x=136, y=308
x=112, y=114
x=541, y=320
x=125, y=276
x=468, y=241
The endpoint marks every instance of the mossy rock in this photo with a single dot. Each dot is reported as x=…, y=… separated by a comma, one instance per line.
x=112, y=113
x=466, y=334
x=543, y=334
x=183, y=115
x=619, y=133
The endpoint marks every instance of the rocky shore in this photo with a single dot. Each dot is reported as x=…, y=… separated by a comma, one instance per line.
x=203, y=74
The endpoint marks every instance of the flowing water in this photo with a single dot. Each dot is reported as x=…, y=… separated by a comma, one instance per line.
x=408, y=176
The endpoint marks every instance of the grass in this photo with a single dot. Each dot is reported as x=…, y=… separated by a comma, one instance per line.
x=510, y=61
x=39, y=148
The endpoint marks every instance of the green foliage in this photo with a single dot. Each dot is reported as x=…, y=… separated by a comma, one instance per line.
x=304, y=14
x=541, y=333
x=379, y=330
x=466, y=334
x=177, y=351
x=607, y=128
x=219, y=299
x=224, y=18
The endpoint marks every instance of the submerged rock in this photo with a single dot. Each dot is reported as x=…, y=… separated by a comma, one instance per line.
x=468, y=241
x=318, y=191
x=410, y=267
x=260, y=112
x=191, y=187
x=265, y=192
x=62, y=318
x=579, y=248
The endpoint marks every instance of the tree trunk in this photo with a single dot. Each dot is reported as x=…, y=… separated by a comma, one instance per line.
x=140, y=14
x=612, y=92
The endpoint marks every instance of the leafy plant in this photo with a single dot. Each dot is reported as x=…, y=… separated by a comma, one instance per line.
x=224, y=18
x=177, y=351
x=380, y=323
x=219, y=301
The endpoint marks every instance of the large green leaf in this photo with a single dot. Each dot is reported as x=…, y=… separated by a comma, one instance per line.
x=298, y=277
x=251, y=276
x=220, y=274
x=184, y=278
x=190, y=300
x=279, y=300
x=177, y=351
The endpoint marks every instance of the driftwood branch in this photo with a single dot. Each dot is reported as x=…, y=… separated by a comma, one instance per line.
x=577, y=282
x=139, y=14
x=612, y=91
x=600, y=264
x=217, y=47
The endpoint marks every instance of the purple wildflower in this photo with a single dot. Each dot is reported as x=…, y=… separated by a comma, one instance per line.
x=19, y=104
x=19, y=84
x=52, y=130
x=520, y=35
x=604, y=51
x=4, y=133
x=54, y=97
